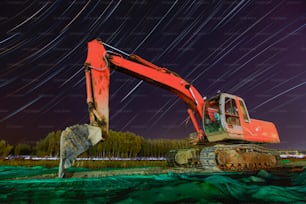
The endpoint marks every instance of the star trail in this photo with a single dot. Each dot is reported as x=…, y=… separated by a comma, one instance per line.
x=253, y=49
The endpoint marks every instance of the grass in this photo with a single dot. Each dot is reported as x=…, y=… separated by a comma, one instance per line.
x=91, y=164
x=85, y=163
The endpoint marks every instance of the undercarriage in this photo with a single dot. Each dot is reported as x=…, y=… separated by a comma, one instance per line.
x=231, y=157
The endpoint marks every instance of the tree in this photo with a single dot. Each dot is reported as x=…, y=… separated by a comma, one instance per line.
x=5, y=148
x=22, y=149
x=117, y=144
x=50, y=145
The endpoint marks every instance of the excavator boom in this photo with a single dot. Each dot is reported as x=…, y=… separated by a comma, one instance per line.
x=98, y=65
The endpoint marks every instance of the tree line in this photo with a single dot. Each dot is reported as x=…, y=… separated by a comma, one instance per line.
x=117, y=144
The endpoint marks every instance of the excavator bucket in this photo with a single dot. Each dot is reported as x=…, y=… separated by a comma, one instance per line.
x=74, y=141
x=78, y=138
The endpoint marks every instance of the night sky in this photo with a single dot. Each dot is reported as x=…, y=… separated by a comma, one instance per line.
x=253, y=49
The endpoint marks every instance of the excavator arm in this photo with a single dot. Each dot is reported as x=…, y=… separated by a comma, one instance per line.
x=98, y=65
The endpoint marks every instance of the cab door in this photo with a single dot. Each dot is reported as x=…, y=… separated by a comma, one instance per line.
x=231, y=117
x=248, y=130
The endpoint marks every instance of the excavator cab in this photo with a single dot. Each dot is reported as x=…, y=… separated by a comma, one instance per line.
x=222, y=119
x=225, y=117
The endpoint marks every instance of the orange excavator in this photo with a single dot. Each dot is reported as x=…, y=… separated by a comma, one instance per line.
x=228, y=138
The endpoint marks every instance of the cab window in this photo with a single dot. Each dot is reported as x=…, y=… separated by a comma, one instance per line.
x=230, y=106
x=211, y=117
x=244, y=111
x=231, y=112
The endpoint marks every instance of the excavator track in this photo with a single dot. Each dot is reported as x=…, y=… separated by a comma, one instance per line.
x=232, y=157
x=245, y=157
x=170, y=157
x=208, y=158
x=188, y=158
x=239, y=157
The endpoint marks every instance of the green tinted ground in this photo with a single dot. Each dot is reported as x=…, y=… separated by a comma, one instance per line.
x=158, y=188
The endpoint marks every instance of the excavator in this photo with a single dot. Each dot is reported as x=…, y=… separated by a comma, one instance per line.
x=227, y=140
